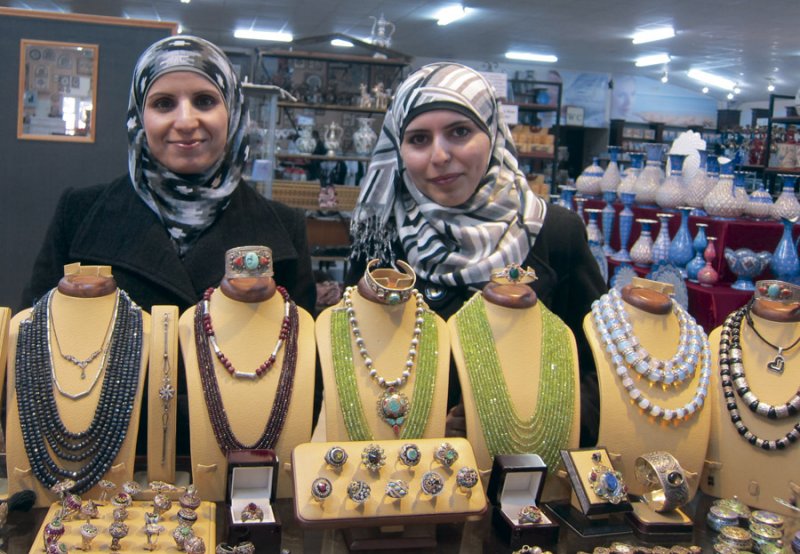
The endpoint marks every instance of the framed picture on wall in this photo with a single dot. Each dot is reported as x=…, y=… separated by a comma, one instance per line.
x=58, y=93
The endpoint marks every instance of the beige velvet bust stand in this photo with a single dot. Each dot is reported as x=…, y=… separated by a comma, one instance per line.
x=625, y=430
x=247, y=332
x=387, y=332
x=5, y=317
x=735, y=467
x=517, y=332
x=81, y=323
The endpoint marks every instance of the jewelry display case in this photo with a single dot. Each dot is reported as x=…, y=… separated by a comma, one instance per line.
x=252, y=486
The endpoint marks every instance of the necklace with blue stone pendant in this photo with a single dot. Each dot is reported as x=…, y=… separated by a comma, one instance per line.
x=393, y=405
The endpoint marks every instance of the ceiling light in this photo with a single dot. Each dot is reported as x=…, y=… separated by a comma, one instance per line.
x=276, y=36
x=656, y=59
x=445, y=16
x=730, y=96
x=664, y=77
x=771, y=86
x=341, y=43
x=531, y=57
x=180, y=27
x=651, y=35
x=736, y=90
x=185, y=1
x=705, y=90
x=711, y=79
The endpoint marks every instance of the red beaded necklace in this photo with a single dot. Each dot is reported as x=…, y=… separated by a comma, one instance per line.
x=208, y=330
x=226, y=439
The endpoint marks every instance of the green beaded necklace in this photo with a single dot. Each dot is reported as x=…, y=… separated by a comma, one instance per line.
x=355, y=420
x=547, y=431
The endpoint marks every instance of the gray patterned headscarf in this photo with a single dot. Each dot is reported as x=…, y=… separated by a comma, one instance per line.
x=186, y=204
x=447, y=245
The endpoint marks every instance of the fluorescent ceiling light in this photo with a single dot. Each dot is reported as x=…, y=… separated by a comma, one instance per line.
x=277, y=36
x=705, y=90
x=655, y=59
x=651, y=35
x=447, y=15
x=770, y=87
x=531, y=57
x=711, y=79
x=185, y=1
x=730, y=96
x=342, y=43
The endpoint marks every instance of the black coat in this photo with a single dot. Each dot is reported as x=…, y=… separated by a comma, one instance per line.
x=111, y=225
x=569, y=280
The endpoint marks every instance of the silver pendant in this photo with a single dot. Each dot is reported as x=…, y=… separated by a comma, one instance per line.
x=777, y=364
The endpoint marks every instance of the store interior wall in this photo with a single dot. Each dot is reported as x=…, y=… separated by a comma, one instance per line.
x=36, y=172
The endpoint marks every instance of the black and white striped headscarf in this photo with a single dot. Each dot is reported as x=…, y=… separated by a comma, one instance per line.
x=447, y=245
x=186, y=204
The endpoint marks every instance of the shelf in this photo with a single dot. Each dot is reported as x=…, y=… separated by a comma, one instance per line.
x=787, y=170
x=320, y=157
x=337, y=107
x=793, y=119
x=534, y=107
x=536, y=155
x=748, y=167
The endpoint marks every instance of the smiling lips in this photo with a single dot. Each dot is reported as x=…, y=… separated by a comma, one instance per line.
x=186, y=143
x=445, y=179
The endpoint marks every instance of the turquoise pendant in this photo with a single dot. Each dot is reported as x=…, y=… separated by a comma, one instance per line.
x=393, y=408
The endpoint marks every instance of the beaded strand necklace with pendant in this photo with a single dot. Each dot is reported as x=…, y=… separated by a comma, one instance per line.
x=94, y=449
x=226, y=439
x=547, y=430
x=408, y=419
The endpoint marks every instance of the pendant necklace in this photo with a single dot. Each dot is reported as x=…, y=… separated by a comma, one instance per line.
x=778, y=363
x=407, y=419
x=91, y=357
x=226, y=439
x=733, y=382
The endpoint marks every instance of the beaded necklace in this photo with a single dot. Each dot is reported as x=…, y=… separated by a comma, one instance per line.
x=208, y=330
x=43, y=430
x=635, y=357
x=732, y=380
x=607, y=326
x=545, y=432
x=226, y=439
x=414, y=423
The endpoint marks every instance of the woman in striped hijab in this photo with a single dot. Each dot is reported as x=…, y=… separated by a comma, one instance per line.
x=444, y=192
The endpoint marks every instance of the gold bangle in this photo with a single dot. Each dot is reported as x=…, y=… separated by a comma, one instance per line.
x=390, y=285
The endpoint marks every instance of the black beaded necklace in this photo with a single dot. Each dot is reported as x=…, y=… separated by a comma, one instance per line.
x=226, y=439
x=93, y=450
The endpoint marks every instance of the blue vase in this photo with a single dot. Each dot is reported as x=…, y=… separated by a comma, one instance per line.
x=625, y=225
x=608, y=220
x=567, y=194
x=699, y=245
x=543, y=97
x=785, y=263
x=642, y=249
x=661, y=244
x=580, y=202
x=593, y=232
x=681, y=251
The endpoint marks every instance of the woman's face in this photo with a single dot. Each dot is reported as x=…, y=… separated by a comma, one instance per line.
x=446, y=155
x=186, y=122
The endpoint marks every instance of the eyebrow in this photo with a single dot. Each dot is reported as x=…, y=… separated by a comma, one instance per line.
x=456, y=123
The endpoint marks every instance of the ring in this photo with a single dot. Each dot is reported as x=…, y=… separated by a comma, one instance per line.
x=432, y=483
x=187, y=517
x=252, y=512
x=466, y=478
x=321, y=488
x=445, y=454
x=396, y=489
x=779, y=291
x=665, y=480
x=530, y=515
x=248, y=261
x=390, y=285
x=241, y=548
x=161, y=503
x=607, y=483
x=358, y=491
x=514, y=274
x=336, y=456
x=409, y=454
x=373, y=457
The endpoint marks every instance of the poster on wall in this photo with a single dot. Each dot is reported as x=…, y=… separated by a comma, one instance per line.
x=642, y=100
x=588, y=91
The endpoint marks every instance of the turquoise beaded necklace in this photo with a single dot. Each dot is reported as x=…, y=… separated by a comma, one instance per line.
x=546, y=431
x=344, y=374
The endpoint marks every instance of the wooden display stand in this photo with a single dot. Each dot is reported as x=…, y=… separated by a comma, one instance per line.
x=517, y=334
x=246, y=333
x=625, y=430
x=136, y=541
x=5, y=317
x=387, y=332
x=734, y=467
x=81, y=324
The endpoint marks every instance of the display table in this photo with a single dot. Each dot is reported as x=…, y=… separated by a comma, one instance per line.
x=464, y=538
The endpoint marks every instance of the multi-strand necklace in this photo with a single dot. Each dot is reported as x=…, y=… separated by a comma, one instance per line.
x=226, y=439
x=407, y=418
x=545, y=432
x=733, y=382
x=626, y=353
x=94, y=449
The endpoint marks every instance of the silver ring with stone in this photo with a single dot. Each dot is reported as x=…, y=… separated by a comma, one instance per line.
x=432, y=483
x=358, y=491
x=336, y=456
x=409, y=454
x=466, y=478
x=445, y=454
x=373, y=457
x=396, y=489
x=321, y=488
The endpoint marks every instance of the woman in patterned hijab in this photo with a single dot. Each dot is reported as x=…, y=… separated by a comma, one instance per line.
x=186, y=203
x=449, y=245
